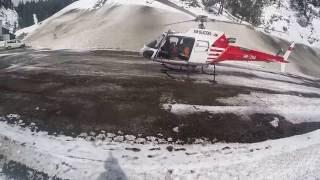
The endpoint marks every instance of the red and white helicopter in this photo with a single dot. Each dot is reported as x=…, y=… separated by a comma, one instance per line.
x=201, y=48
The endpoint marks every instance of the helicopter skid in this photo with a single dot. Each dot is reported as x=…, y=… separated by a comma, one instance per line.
x=190, y=69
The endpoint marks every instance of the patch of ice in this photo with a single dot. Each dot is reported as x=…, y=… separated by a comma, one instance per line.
x=294, y=108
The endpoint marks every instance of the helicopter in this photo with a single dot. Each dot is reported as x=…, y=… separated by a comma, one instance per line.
x=200, y=47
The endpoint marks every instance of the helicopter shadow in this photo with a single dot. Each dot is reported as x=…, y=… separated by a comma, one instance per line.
x=113, y=170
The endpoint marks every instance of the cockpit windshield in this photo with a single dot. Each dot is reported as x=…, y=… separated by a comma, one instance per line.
x=155, y=43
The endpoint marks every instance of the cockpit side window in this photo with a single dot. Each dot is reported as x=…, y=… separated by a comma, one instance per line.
x=202, y=46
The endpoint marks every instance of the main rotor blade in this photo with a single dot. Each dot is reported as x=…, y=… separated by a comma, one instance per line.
x=265, y=28
x=171, y=4
x=179, y=22
x=227, y=22
x=247, y=25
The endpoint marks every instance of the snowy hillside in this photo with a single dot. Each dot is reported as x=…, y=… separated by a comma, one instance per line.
x=92, y=24
x=284, y=18
x=9, y=18
x=280, y=18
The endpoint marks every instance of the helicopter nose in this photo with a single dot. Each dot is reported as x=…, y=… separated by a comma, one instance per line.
x=146, y=53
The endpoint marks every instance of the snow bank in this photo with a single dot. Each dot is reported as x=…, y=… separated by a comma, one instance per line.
x=290, y=158
x=25, y=31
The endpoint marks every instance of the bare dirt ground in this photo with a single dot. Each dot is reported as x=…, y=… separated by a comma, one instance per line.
x=68, y=93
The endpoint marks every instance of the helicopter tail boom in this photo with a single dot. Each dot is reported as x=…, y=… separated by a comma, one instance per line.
x=236, y=53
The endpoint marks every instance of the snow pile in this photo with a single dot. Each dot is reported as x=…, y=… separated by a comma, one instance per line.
x=275, y=122
x=21, y=33
x=9, y=18
x=93, y=24
x=284, y=18
x=69, y=158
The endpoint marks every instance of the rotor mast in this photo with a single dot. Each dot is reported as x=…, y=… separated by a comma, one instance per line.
x=202, y=19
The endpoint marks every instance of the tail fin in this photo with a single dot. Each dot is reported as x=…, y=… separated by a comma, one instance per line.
x=286, y=57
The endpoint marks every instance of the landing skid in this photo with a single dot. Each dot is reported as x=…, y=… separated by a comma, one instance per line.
x=187, y=69
x=211, y=74
x=165, y=71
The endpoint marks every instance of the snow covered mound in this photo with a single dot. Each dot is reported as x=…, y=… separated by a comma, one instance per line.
x=21, y=33
x=89, y=24
x=9, y=18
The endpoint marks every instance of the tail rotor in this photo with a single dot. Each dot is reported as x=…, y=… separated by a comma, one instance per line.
x=286, y=57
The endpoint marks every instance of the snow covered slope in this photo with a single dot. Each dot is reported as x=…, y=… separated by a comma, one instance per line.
x=104, y=24
x=280, y=18
x=284, y=18
x=9, y=18
x=277, y=17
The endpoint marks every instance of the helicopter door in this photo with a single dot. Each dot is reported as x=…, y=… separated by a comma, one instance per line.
x=200, y=52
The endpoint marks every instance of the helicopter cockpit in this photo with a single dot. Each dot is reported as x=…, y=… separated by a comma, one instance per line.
x=173, y=47
x=176, y=48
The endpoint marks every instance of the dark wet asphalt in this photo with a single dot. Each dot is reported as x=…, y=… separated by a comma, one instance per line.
x=71, y=92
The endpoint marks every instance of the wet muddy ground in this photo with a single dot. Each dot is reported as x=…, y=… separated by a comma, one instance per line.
x=73, y=92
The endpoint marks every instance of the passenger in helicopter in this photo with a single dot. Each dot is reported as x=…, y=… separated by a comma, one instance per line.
x=165, y=49
x=173, y=51
x=186, y=45
x=176, y=48
x=169, y=49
